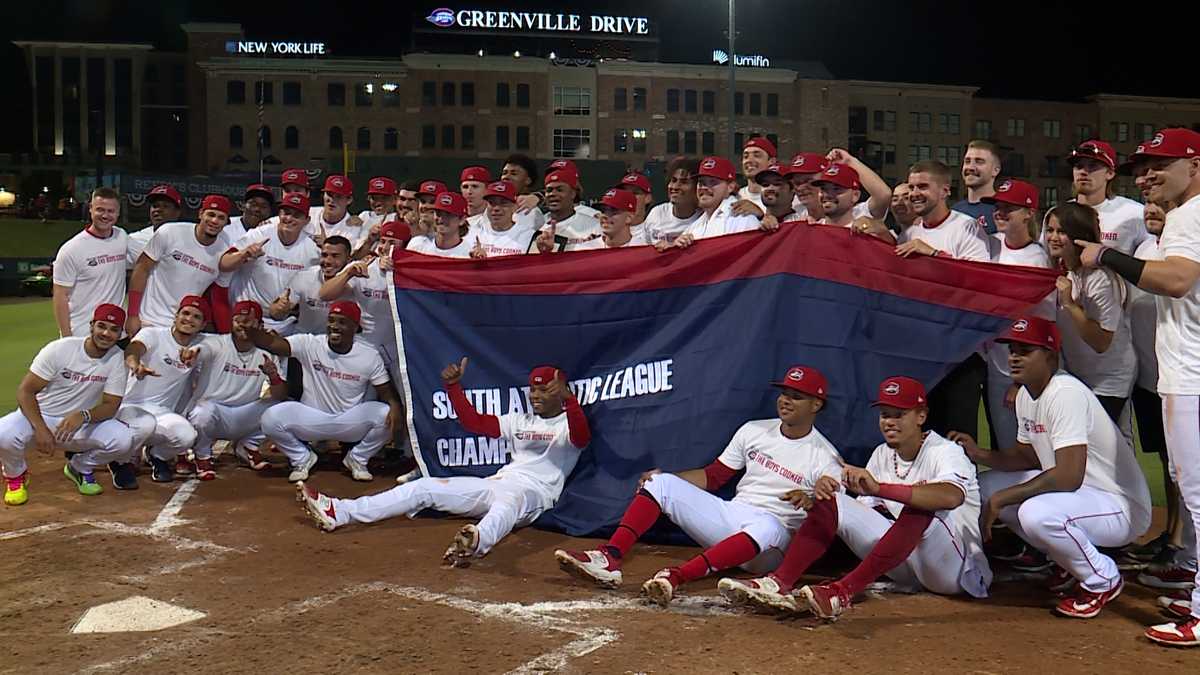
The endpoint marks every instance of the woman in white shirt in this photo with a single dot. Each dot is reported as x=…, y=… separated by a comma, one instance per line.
x=1091, y=310
x=447, y=241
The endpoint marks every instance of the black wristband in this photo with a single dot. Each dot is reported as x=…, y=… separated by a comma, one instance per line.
x=1129, y=267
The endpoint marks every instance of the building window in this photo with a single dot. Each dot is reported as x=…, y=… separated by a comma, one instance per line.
x=774, y=138
x=264, y=93
x=428, y=93
x=672, y=142
x=857, y=120
x=1083, y=132
x=468, y=93
x=708, y=143
x=567, y=142
x=235, y=92
x=620, y=140
x=363, y=93
x=739, y=103
x=1014, y=164
x=391, y=94
x=468, y=137
x=1145, y=132
x=672, y=100
x=889, y=155
x=522, y=138
x=1016, y=127
x=236, y=137
x=948, y=123
x=364, y=138
x=335, y=138
x=920, y=122
x=639, y=140
x=1051, y=128
x=620, y=95
x=1121, y=131
x=1049, y=197
x=708, y=102
x=739, y=140
x=877, y=116
x=983, y=129
x=689, y=142
x=755, y=104
x=918, y=153
x=1050, y=168
x=502, y=95
x=950, y=155
x=639, y=98
x=522, y=95
x=772, y=105
x=335, y=93
x=689, y=101
x=448, y=137
x=291, y=138
x=572, y=101
x=428, y=136
x=291, y=93
x=391, y=139
x=502, y=138
x=447, y=93
x=264, y=137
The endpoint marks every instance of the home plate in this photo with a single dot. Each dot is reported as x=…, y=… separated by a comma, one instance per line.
x=135, y=614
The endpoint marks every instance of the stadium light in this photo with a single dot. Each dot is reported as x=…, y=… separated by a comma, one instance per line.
x=479, y=53
x=517, y=54
x=553, y=56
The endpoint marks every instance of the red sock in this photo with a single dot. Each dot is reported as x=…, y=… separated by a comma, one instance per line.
x=639, y=517
x=894, y=548
x=810, y=542
x=729, y=552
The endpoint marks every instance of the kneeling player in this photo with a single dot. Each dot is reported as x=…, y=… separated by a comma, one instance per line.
x=1072, y=482
x=545, y=447
x=916, y=520
x=780, y=456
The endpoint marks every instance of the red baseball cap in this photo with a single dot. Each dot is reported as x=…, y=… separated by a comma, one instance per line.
x=1170, y=143
x=296, y=201
x=110, y=313
x=1095, y=149
x=394, y=229
x=432, y=187
x=840, y=175
x=809, y=162
x=167, y=192
x=636, y=180
x=452, y=203
x=502, y=189
x=565, y=175
x=717, y=167
x=783, y=171
x=348, y=309
x=381, y=185
x=339, y=185
x=621, y=200
x=477, y=174
x=904, y=393
x=805, y=380
x=248, y=307
x=559, y=164
x=260, y=189
x=763, y=144
x=294, y=177
x=196, y=302
x=217, y=202
x=545, y=374
x=1015, y=192
x=1032, y=330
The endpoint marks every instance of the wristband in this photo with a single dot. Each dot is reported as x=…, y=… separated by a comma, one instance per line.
x=135, y=302
x=275, y=379
x=87, y=416
x=895, y=492
x=1127, y=266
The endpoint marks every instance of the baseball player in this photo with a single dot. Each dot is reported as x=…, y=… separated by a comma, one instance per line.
x=1093, y=177
x=161, y=381
x=980, y=167
x=382, y=194
x=256, y=209
x=304, y=295
x=757, y=153
x=569, y=165
x=901, y=210
x=841, y=187
x=182, y=259
x=407, y=202
x=777, y=194
x=807, y=167
x=166, y=206
x=293, y=181
x=643, y=191
x=1169, y=165
x=227, y=402
x=941, y=231
x=916, y=519
x=520, y=170
x=1071, y=483
x=333, y=217
x=337, y=372
x=426, y=214
x=545, y=443
x=472, y=185
x=715, y=187
x=502, y=234
x=781, y=457
x=566, y=226
x=618, y=208
x=89, y=269
x=665, y=222
x=68, y=400
x=447, y=241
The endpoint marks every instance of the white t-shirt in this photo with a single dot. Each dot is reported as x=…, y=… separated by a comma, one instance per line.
x=94, y=270
x=578, y=228
x=227, y=376
x=1177, y=342
x=940, y=461
x=959, y=236
x=1122, y=223
x=173, y=385
x=76, y=381
x=662, y=225
x=1031, y=255
x=516, y=240
x=1112, y=372
x=721, y=221
x=479, y=220
x=1066, y=414
x=185, y=267
x=756, y=197
x=635, y=239
x=136, y=243
x=263, y=279
x=371, y=294
x=334, y=382
x=776, y=464
x=541, y=452
x=235, y=229
x=306, y=293
x=428, y=246
x=1143, y=319
x=859, y=210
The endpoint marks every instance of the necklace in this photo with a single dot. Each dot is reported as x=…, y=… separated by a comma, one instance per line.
x=896, y=460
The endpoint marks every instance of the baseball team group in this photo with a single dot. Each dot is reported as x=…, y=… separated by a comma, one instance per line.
x=267, y=325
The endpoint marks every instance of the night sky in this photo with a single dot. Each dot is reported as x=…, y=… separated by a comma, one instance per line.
x=1022, y=49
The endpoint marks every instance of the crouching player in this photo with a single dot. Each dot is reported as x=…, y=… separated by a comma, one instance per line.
x=780, y=456
x=545, y=447
x=916, y=519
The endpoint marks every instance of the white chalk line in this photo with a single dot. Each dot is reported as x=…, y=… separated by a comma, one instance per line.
x=48, y=527
x=168, y=517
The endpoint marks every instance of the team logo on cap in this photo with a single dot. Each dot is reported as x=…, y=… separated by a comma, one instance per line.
x=799, y=161
x=1158, y=140
x=891, y=388
x=336, y=182
x=833, y=170
x=500, y=187
x=1020, y=326
x=709, y=164
x=1005, y=186
x=444, y=199
x=610, y=193
x=442, y=17
x=292, y=199
x=796, y=375
x=377, y=184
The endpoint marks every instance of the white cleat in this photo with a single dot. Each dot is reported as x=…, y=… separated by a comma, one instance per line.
x=358, y=470
x=463, y=548
x=659, y=588
x=593, y=566
x=762, y=594
x=408, y=477
x=300, y=473
x=317, y=507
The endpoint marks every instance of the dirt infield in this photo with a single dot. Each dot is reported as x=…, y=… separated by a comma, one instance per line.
x=282, y=597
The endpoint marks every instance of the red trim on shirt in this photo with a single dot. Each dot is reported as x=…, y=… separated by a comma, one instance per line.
x=925, y=223
x=716, y=475
x=579, y=432
x=468, y=417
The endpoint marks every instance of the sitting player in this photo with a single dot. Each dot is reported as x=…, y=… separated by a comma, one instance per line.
x=545, y=446
x=916, y=519
x=780, y=456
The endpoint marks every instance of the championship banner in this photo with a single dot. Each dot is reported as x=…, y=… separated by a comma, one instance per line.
x=669, y=353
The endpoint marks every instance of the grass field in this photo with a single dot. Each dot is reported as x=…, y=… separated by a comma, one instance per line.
x=21, y=237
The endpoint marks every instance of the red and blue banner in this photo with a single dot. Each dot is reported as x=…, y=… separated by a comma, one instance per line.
x=670, y=353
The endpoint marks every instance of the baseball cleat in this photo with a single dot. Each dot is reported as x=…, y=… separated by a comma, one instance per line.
x=251, y=457
x=184, y=467
x=84, y=482
x=660, y=588
x=317, y=507
x=1060, y=580
x=1177, y=604
x=358, y=470
x=300, y=472
x=408, y=477
x=1171, y=577
x=1150, y=550
x=594, y=566
x=1009, y=555
x=1030, y=560
x=16, y=489
x=763, y=594
x=124, y=475
x=463, y=548
x=827, y=601
x=1086, y=604
x=1178, y=634
x=160, y=469
x=205, y=469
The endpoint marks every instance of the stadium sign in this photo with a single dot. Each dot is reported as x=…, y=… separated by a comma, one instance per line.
x=721, y=58
x=276, y=48
x=445, y=17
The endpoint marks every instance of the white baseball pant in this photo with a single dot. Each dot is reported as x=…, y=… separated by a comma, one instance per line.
x=173, y=434
x=1181, y=424
x=95, y=445
x=708, y=520
x=501, y=502
x=1002, y=418
x=235, y=424
x=1066, y=526
x=935, y=565
x=292, y=424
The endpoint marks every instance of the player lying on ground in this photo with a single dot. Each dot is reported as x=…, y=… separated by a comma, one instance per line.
x=68, y=401
x=916, y=519
x=545, y=446
x=1071, y=483
x=782, y=457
